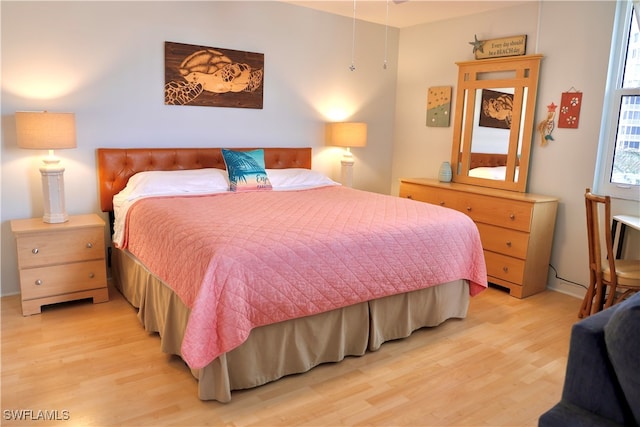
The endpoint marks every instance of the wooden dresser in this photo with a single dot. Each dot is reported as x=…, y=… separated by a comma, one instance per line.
x=60, y=262
x=516, y=229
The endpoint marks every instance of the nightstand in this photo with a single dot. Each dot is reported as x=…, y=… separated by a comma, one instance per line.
x=60, y=262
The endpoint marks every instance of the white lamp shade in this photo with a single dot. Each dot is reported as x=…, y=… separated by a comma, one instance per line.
x=42, y=130
x=346, y=134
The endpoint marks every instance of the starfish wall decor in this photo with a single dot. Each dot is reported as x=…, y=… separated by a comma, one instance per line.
x=478, y=45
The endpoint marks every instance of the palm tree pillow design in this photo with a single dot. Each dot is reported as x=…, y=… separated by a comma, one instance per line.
x=246, y=170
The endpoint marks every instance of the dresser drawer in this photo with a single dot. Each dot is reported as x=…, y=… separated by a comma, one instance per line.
x=481, y=208
x=62, y=279
x=60, y=247
x=497, y=211
x=433, y=195
x=504, y=267
x=503, y=240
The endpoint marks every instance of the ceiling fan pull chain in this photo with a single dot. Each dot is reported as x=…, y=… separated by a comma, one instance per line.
x=386, y=37
x=353, y=38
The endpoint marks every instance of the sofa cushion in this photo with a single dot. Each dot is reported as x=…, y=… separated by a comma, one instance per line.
x=590, y=380
x=622, y=336
x=565, y=414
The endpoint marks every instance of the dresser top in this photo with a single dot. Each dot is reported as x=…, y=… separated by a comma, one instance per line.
x=476, y=189
x=31, y=225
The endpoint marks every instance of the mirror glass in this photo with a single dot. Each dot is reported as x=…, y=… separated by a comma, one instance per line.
x=493, y=125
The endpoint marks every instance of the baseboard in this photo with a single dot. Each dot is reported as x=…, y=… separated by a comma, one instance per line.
x=568, y=289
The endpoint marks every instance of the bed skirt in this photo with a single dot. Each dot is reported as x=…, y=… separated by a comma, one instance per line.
x=292, y=346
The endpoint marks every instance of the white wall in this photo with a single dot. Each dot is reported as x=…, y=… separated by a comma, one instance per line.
x=427, y=57
x=575, y=38
x=105, y=62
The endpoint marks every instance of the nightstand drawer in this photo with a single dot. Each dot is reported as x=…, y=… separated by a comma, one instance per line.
x=503, y=240
x=504, y=267
x=48, y=248
x=62, y=279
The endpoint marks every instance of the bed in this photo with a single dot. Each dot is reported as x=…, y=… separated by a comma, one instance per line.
x=338, y=273
x=489, y=166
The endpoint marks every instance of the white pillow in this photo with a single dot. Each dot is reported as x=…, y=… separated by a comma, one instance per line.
x=497, y=173
x=176, y=182
x=297, y=179
x=487, y=172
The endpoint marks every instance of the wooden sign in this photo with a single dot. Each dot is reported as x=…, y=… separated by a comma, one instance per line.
x=496, y=48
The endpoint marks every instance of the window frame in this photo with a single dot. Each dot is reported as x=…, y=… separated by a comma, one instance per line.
x=612, y=102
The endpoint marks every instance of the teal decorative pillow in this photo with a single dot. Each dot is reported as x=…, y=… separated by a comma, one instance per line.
x=246, y=170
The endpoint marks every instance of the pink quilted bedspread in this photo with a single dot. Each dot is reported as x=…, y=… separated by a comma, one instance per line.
x=243, y=260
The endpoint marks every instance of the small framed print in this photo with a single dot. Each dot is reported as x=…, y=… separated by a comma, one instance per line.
x=497, y=109
x=438, y=106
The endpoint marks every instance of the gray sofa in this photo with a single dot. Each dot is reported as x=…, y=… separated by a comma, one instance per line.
x=602, y=382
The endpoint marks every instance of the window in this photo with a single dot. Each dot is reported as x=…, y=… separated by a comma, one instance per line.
x=618, y=172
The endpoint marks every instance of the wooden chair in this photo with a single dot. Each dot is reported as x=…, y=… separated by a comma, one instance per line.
x=607, y=277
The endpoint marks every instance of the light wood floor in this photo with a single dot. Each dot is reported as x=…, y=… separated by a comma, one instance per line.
x=501, y=366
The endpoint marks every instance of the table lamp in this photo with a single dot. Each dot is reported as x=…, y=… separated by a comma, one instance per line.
x=41, y=130
x=346, y=134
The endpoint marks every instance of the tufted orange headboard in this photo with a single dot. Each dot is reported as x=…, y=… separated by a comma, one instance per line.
x=117, y=165
x=489, y=160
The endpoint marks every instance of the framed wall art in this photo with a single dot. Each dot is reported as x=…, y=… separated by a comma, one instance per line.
x=497, y=109
x=212, y=77
x=438, y=106
x=570, y=104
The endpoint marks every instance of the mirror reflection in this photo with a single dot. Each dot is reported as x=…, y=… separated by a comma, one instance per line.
x=494, y=121
x=490, y=135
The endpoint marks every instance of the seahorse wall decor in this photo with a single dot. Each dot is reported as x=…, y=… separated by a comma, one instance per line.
x=546, y=126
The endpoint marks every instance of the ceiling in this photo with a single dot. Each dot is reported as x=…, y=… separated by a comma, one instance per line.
x=406, y=13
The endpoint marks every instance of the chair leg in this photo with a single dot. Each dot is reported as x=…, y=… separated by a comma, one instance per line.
x=587, y=302
x=585, y=308
x=612, y=295
x=626, y=294
x=600, y=297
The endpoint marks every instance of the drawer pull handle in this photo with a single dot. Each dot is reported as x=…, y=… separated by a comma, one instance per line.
x=91, y=275
x=508, y=243
x=89, y=245
x=38, y=282
x=468, y=208
x=512, y=216
x=410, y=197
x=505, y=269
x=35, y=251
x=442, y=203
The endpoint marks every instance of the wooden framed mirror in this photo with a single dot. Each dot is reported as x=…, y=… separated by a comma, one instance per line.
x=493, y=124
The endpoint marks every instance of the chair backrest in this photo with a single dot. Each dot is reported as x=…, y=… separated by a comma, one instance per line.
x=597, y=228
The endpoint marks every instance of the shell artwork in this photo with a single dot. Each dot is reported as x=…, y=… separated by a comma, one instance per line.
x=210, y=71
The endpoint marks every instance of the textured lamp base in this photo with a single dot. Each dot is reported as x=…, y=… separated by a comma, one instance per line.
x=347, y=171
x=53, y=192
